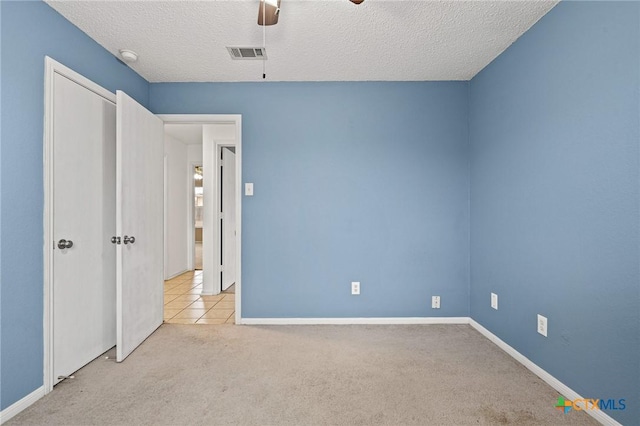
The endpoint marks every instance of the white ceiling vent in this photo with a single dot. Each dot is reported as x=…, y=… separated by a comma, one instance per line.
x=259, y=53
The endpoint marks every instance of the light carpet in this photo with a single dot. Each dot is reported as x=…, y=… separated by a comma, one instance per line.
x=305, y=375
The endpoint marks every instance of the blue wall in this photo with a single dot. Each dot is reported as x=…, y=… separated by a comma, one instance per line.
x=353, y=182
x=31, y=30
x=555, y=197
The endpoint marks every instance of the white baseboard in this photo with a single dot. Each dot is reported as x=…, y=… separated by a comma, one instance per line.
x=563, y=389
x=345, y=321
x=177, y=274
x=20, y=405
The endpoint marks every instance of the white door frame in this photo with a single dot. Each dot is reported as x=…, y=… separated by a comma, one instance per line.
x=235, y=119
x=51, y=68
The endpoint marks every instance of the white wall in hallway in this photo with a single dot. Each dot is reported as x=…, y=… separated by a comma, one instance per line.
x=176, y=210
x=194, y=154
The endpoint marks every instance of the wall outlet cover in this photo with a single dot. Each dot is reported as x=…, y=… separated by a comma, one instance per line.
x=542, y=325
x=355, y=287
x=494, y=301
x=435, y=302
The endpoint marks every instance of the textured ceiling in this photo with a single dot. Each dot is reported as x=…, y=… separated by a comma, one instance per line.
x=314, y=40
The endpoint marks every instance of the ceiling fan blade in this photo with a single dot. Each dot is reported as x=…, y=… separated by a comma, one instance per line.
x=271, y=10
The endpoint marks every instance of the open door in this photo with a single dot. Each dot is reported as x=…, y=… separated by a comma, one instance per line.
x=139, y=223
x=228, y=209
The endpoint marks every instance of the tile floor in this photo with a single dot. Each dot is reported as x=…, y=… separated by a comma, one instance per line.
x=183, y=303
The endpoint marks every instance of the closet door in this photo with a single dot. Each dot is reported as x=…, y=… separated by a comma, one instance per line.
x=82, y=187
x=139, y=223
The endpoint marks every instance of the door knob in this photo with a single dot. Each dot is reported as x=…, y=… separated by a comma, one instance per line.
x=63, y=244
x=128, y=240
x=115, y=240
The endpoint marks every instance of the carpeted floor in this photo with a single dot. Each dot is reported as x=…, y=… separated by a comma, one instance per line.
x=305, y=375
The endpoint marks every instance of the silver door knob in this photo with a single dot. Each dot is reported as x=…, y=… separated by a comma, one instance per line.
x=128, y=240
x=63, y=244
x=115, y=240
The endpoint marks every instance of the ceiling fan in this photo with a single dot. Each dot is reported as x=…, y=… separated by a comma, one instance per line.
x=270, y=9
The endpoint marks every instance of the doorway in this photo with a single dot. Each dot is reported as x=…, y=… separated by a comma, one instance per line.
x=184, y=301
x=216, y=131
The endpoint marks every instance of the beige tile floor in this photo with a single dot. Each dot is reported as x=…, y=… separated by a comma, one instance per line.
x=183, y=303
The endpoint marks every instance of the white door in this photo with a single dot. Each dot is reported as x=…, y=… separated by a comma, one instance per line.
x=139, y=223
x=83, y=194
x=228, y=204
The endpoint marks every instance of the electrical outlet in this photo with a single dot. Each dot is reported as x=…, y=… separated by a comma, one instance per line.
x=542, y=325
x=435, y=302
x=355, y=287
x=494, y=301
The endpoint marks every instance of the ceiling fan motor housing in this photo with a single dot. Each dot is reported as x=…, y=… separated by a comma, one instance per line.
x=271, y=10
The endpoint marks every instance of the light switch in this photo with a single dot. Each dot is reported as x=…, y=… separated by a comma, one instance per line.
x=248, y=189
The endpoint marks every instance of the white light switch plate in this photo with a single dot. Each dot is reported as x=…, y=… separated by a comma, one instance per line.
x=248, y=189
x=494, y=301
